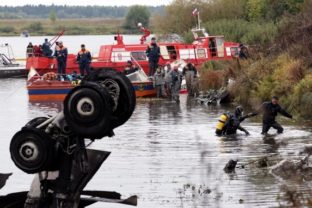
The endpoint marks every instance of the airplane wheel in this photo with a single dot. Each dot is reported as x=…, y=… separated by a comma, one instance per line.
x=36, y=121
x=87, y=110
x=31, y=150
x=124, y=101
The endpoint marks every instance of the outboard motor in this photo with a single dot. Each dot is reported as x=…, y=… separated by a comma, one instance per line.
x=54, y=148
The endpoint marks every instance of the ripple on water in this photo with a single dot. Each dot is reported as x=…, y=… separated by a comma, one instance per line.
x=168, y=155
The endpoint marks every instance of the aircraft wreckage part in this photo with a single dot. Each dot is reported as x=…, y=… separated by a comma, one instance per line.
x=17, y=200
x=126, y=99
x=32, y=150
x=35, y=122
x=3, y=178
x=87, y=110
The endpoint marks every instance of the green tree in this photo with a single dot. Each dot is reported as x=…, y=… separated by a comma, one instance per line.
x=135, y=15
x=52, y=16
x=256, y=9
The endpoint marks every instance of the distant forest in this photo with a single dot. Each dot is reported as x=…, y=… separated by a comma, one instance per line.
x=67, y=12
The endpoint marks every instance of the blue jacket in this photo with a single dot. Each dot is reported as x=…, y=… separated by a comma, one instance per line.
x=84, y=57
x=61, y=54
x=153, y=53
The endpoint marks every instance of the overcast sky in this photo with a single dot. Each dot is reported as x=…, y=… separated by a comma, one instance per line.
x=84, y=2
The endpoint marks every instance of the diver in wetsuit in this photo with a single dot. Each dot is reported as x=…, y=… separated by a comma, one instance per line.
x=233, y=121
x=270, y=111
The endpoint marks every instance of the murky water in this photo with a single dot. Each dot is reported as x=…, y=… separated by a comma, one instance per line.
x=167, y=154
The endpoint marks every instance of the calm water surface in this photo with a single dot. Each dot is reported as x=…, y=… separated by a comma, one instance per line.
x=72, y=42
x=167, y=154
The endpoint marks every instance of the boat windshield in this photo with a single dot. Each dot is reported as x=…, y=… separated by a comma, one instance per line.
x=138, y=76
x=5, y=60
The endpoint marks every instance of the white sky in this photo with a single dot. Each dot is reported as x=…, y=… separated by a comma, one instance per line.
x=85, y=3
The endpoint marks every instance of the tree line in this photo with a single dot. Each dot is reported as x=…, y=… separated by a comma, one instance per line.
x=68, y=12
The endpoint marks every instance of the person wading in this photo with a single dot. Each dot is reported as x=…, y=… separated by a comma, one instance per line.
x=190, y=74
x=168, y=79
x=159, y=82
x=61, y=57
x=176, y=80
x=270, y=110
x=84, y=59
x=153, y=54
x=232, y=122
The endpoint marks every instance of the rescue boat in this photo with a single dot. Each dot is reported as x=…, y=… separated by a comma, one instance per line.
x=204, y=48
x=48, y=88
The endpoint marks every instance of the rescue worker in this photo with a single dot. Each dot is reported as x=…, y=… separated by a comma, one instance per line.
x=30, y=50
x=176, y=80
x=37, y=50
x=153, y=54
x=61, y=57
x=130, y=68
x=190, y=73
x=243, y=51
x=270, y=110
x=229, y=123
x=168, y=79
x=46, y=48
x=159, y=82
x=84, y=59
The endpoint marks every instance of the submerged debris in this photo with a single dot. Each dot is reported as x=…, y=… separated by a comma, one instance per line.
x=213, y=97
x=230, y=166
x=290, y=169
x=263, y=162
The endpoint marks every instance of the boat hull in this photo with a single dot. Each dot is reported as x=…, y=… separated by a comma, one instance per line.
x=13, y=73
x=57, y=90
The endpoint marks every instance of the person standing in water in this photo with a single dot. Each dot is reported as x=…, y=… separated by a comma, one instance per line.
x=270, y=110
x=176, y=80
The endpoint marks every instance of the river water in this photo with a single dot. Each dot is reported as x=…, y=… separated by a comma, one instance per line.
x=167, y=154
x=72, y=42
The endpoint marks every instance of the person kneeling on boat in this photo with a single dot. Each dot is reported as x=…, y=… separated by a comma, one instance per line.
x=130, y=68
x=61, y=57
x=84, y=59
x=229, y=123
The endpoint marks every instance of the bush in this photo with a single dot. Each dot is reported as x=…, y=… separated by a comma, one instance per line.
x=7, y=29
x=240, y=30
x=35, y=27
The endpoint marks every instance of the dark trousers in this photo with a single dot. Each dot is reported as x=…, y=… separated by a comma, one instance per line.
x=61, y=67
x=266, y=127
x=152, y=68
x=159, y=89
x=84, y=67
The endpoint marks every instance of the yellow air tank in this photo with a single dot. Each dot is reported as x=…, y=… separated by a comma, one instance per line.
x=223, y=118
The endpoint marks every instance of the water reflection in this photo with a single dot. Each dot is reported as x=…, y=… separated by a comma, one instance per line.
x=168, y=154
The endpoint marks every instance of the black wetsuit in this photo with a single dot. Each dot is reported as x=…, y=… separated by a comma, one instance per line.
x=270, y=112
x=233, y=124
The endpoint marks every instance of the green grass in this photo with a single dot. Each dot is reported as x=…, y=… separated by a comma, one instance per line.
x=99, y=26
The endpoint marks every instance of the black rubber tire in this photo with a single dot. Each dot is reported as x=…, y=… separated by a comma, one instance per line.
x=41, y=145
x=127, y=98
x=35, y=122
x=87, y=110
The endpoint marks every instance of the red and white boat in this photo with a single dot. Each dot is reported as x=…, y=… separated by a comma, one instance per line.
x=204, y=48
x=48, y=88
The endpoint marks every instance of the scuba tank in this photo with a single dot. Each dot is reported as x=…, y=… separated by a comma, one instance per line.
x=223, y=118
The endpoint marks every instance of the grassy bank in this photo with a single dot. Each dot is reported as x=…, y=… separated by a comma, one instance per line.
x=13, y=27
